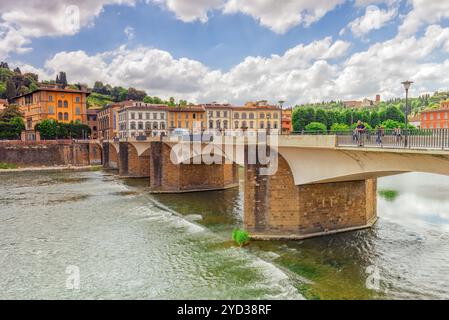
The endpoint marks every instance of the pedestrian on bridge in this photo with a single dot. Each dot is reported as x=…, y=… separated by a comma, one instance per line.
x=380, y=132
x=360, y=131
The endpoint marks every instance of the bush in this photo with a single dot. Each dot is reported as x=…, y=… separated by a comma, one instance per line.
x=241, y=237
x=317, y=127
x=339, y=127
x=392, y=124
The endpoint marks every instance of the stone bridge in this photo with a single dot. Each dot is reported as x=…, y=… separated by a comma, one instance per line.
x=318, y=188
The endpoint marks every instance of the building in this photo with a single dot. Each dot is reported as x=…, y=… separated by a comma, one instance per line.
x=219, y=116
x=436, y=118
x=63, y=105
x=92, y=122
x=107, y=119
x=192, y=118
x=3, y=104
x=365, y=103
x=136, y=118
x=287, y=125
x=256, y=115
x=415, y=121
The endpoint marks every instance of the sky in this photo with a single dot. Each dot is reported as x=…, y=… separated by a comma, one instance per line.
x=298, y=51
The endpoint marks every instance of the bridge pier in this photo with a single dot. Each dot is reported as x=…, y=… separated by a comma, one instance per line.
x=110, y=157
x=168, y=177
x=276, y=208
x=132, y=165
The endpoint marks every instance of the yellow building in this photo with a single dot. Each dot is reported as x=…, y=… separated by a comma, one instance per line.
x=192, y=118
x=63, y=105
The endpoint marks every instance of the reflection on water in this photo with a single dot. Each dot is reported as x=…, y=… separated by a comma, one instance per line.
x=130, y=244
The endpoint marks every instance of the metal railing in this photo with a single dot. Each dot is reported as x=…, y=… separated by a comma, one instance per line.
x=390, y=138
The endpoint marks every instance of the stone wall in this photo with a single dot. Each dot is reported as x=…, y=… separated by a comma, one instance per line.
x=110, y=156
x=131, y=164
x=166, y=176
x=44, y=153
x=275, y=206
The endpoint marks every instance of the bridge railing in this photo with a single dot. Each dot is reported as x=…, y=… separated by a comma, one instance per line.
x=390, y=138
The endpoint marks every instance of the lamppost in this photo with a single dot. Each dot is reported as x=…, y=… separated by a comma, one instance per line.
x=281, y=104
x=406, y=85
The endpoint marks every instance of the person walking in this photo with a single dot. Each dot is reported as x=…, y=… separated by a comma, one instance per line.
x=380, y=134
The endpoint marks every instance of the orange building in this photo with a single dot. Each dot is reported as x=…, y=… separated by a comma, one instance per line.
x=192, y=118
x=436, y=119
x=287, y=126
x=63, y=105
x=92, y=121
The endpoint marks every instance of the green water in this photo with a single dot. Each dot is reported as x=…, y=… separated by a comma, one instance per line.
x=133, y=245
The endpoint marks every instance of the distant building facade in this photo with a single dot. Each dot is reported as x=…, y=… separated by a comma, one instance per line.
x=436, y=119
x=108, y=121
x=142, y=119
x=63, y=105
x=219, y=116
x=287, y=125
x=192, y=118
x=365, y=103
x=92, y=122
x=256, y=115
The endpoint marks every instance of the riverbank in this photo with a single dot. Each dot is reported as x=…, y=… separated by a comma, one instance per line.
x=52, y=169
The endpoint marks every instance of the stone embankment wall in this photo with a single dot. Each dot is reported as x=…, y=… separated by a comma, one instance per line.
x=48, y=153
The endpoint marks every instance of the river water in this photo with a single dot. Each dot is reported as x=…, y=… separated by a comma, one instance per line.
x=128, y=244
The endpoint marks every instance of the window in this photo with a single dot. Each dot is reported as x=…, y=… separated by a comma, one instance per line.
x=133, y=126
x=162, y=125
x=236, y=125
x=59, y=103
x=77, y=99
x=211, y=114
x=78, y=111
x=140, y=116
x=236, y=115
x=187, y=116
x=66, y=104
x=140, y=126
x=147, y=116
x=244, y=115
x=59, y=115
x=438, y=116
x=172, y=124
x=155, y=116
x=268, y=115
x=244, y=125
x=50, y=98
x=276, y=115
x=179, y=124
x=66, y=116
x=262, y=125
x=147, y=125
x=251, y=124
x=275, y=125
x=225, y=114
x=187, y=124
x=218, y=124
x=446, y=115
x=431, y=116
x=162, y=116
x=251, y=115
x=211, y=124
x=51, y=110
x=194, y=116
x=225, y=124
x=218, y=113
x=155, y=125
x=262, y=116
x=133, y=116
x=115, y=118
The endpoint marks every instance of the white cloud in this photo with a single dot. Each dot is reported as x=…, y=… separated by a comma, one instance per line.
x=276, y=15
x=373, y=19
x=424, y=12
x=22, y=20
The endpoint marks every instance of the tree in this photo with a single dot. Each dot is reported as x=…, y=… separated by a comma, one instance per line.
x=10, y=90
x=47, y=129
x=339, y=127
x=171, y=102
x=316, y=127
x=4, y=65
x=99, y=87
x=321, y=116
x=17, y=70
x=61, y=79
x=391, y=112
x=10, y=112
x=136, y=95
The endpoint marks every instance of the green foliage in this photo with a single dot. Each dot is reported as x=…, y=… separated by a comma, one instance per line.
x=316, y=127
x=4, y=165
x=11, y=123
x=392, y=124
x=241, y=237
x=339, y=127
x=389, y=195
x=97, y=100
x=51, y=129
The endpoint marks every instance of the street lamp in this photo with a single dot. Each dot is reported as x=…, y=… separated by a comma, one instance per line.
x=281, y=104
x=406, y=85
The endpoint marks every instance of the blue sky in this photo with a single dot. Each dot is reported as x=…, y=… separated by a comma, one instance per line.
x=221, y=50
